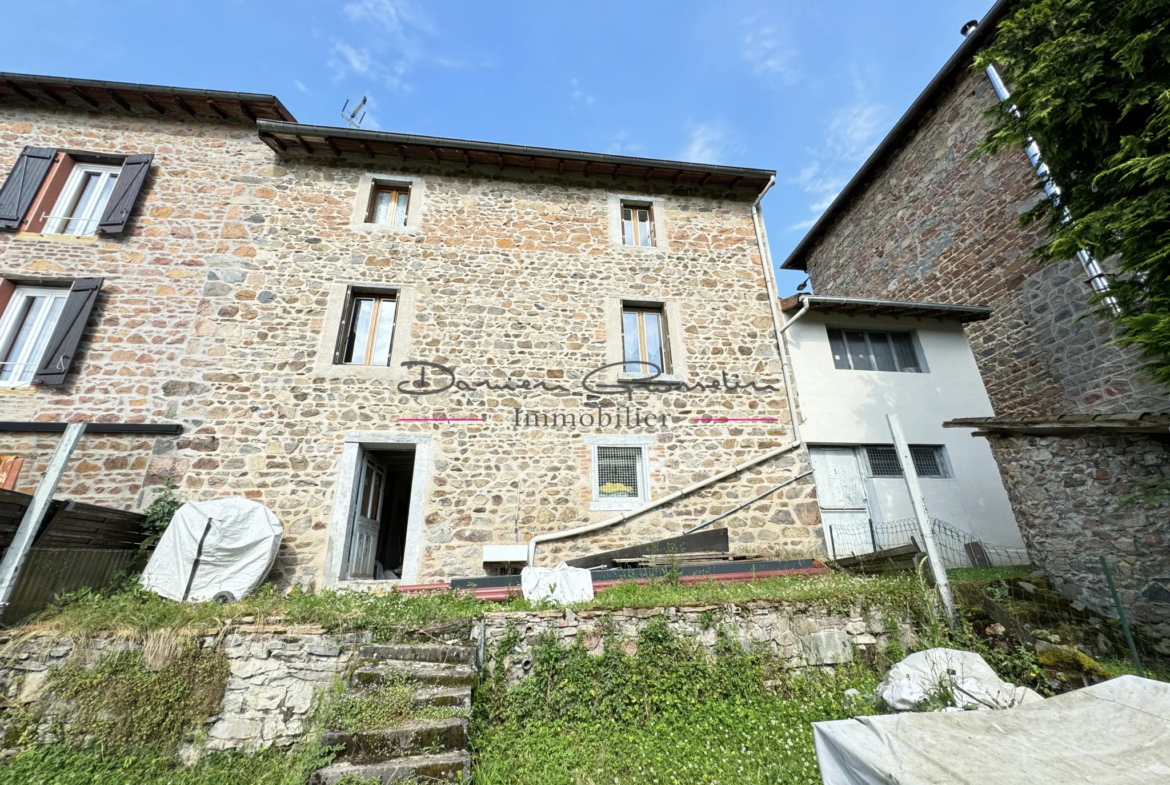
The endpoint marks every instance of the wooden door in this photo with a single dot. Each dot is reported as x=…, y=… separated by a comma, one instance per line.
x=843, y=501
x=366, y=524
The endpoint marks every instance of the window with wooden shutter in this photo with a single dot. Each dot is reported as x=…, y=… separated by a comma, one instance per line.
x=125, y=194
x=30, y=316
x=25, y=179
x=61, y=349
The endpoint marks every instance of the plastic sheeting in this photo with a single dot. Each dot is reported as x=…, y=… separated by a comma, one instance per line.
x=971, y=682
x=1113, y=733
x=562, y=584
x=226, y=545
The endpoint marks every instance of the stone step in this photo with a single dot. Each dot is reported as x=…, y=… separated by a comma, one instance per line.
x=418, y=652
x=406, y=740
x=450, y=697
x=444, y=767
x=435, y=674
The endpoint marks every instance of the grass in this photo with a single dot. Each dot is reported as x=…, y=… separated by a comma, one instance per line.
x=384, y=706
x=668, y=714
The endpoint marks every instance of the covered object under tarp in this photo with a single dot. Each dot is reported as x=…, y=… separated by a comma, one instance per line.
x=1114, y=732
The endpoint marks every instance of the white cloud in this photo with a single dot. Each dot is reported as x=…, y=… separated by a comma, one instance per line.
x=300, y=85
x=768, y=57
x=390, y=38
x=346, y=58
x=393, y=16
x=619, y=146
x=708, y=143
x=852, y=133
x=580, y=98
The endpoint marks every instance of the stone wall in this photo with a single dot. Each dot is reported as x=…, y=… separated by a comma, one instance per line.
x=214, y=314
x=1066, y=493
x=276, y=673
x=800, y=634
x=934, y=225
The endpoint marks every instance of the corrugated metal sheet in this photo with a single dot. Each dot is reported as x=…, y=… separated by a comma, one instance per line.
x=48, y=572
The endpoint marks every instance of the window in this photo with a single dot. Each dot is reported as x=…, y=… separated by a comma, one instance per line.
x=637, y=225
x=873, y=350
x=51, y=191
x=620, y=475
x=368, y=329
x=388, y=205
x=83, y=200
x=25, y=328
x=928, y=461
x=644, y=340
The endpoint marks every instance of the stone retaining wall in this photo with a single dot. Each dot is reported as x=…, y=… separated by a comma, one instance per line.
x=276, y=672
x=801, y=634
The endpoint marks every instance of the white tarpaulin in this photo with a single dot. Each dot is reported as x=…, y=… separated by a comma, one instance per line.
x=226, y=545
x=1111, y=733
x=969, y=680
x=561, y=584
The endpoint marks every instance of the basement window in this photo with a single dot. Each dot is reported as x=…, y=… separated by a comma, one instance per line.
x=388, y=205
x=929, y=461
x=620, y=476
x=873, y=350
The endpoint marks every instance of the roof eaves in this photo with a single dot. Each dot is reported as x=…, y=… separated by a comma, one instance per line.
x=893, y=139
x=270, y=127
x=868, y=306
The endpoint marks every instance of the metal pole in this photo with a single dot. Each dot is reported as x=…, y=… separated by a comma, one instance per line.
x=937, y=568
x=35, y=513
x=1137, y=663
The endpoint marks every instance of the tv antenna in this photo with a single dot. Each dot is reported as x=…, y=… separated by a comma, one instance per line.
x=352, y=119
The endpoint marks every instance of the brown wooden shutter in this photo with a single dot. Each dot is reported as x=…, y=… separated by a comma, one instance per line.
x=23, y=182
x=58, y=356
x=125, y=193
x=343, y=331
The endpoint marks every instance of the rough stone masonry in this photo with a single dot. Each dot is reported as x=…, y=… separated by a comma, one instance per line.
x=216, y=314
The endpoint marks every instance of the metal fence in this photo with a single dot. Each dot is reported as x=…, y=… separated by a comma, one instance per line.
x=956, y=547
x=49, y=572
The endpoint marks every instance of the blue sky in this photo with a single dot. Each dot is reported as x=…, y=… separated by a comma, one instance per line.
x=805, y=88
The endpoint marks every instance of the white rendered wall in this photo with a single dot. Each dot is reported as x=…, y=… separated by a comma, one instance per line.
x=846, y=407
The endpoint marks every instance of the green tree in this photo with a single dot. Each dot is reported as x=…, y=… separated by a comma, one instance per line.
x=1091, y=80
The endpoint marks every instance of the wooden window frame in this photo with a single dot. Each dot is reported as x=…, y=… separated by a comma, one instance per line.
x=343, y=340
x=395, y=191
x=919, y=367
x=635, y=207
x=664, y=336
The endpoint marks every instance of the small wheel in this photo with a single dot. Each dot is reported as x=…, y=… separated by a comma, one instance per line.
x=224, y=597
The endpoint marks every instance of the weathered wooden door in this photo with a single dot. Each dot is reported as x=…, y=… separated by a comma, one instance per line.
x=366, y=524
x=843, y=501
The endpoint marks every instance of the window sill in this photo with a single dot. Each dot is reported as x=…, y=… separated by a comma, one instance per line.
x=637, y=378
x=641, y=248
x=60, y=238
x=378, y=373
x=17, y=389
x=617, y=505
x=368, y=228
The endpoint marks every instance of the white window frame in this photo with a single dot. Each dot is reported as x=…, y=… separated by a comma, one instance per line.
x=92, y=214
x=9, y=326
x=867, y=331
x=642, y=443
x=940, y=455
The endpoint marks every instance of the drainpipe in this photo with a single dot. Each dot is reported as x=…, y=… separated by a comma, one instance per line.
x=766, y=262
x=1098, y=279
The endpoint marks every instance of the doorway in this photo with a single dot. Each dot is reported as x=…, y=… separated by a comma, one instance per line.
x=381, y=514
x=844, y=501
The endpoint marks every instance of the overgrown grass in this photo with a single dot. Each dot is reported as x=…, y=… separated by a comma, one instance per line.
x=669, y=714
x=58, y=764
x=383, y=706
x=130, y=610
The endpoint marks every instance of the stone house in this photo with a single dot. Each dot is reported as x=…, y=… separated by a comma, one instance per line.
x=420, y=353
x=1075, y=425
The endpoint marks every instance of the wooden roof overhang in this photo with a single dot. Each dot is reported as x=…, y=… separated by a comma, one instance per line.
x=860, y=306
x=128, y=97
x=1066, y=425
x=328, y=141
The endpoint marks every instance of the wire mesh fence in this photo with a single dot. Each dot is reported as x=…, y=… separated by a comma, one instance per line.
x=956, y=547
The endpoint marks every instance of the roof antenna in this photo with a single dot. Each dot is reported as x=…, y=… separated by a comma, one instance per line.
x=352, y=119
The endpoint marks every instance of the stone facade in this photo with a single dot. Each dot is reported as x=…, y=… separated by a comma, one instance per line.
x=800, y=634
x=1066, y=491
x=276, y=675
x=214, y=314
x=934, y=225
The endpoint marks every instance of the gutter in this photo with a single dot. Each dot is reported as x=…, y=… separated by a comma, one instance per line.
x=766, y=263
x=965, y=53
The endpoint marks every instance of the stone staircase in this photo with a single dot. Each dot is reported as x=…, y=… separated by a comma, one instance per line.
x=426, y=750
